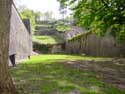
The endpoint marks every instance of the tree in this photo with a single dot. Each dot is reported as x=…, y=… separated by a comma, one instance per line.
x=100, y=16
x=6, y=85
x=63, y=11
x=26, y=13
x=48, y=15
x=38, y=16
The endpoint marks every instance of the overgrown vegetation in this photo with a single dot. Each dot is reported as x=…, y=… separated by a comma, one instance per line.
x=47, y=39
x=80, y=35
x=100, y=16
x=63, y=28
x=26, y=13
x=41, y=48
x=44, y=74
x=34, y=16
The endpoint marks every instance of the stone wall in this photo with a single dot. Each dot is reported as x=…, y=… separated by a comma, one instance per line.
x=20, y=38
x=48, y=48
x=92, y=45
x=75, y=30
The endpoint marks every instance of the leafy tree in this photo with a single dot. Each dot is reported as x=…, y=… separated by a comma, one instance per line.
x=37, y=16
x=100, y=16
x=63, y=11
x=34, y=15
x=27, y=13
x=47, y=15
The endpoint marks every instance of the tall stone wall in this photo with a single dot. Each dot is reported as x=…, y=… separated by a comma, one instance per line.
x=20, y=38
x=92, y=45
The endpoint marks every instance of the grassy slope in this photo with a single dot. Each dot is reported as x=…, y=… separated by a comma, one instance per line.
x=62, y=28
x=45, y=75
x=47, y=39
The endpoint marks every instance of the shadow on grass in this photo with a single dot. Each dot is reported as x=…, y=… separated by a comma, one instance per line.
x=50, y=77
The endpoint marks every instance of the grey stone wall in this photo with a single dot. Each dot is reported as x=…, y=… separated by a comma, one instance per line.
x=20, y=38
x=92, y=45
x=75, y=30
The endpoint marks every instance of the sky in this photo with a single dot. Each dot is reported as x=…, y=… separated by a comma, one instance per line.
x=41, y=5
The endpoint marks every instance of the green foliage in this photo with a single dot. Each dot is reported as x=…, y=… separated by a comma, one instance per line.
x=47, y=39
x=63, y=28
x=26, y=13
x=48, y=16
x=41, y=48
x=79, y=36
x=101, y=16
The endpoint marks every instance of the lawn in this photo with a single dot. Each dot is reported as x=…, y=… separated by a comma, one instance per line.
x=46, y=74
x=62, y=28
x=47, y=39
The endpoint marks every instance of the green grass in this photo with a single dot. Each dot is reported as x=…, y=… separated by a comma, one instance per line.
x=43, y=74
x=43, y=25
x=62, y=28
x=47, y=39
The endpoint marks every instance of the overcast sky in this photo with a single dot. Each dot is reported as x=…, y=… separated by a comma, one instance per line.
x=41, y=5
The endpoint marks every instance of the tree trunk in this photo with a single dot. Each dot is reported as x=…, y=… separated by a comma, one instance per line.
x=6, y=84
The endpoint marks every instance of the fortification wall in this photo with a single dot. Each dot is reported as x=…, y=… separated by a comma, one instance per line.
x=92, y=45
x=20, y=38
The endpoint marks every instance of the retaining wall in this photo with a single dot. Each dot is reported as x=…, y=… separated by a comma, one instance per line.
x=92, y=45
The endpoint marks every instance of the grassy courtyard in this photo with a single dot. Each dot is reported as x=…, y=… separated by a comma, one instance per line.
x=49, y=74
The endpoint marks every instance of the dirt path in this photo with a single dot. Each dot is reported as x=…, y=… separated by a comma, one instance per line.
x=109, y=71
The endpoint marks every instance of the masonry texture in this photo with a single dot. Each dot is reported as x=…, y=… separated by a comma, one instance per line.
x=92, y=45
x=20, y=36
